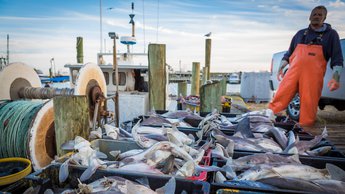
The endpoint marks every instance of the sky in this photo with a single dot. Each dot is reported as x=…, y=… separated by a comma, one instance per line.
x=245, y=34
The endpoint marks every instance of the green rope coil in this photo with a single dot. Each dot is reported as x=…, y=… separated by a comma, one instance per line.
x=15, y=119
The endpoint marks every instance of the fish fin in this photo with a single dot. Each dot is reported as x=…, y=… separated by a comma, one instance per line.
x=69, y=145
x=95, y=135
x=199, y=157
x=48, y=191
x=230, y=148
x=219, y=178
x=35, y=190
x=101, y=155
x=276, y=172
x=335, y=172
x=324, y=133
x=191, y=137
x=230, y=173
x=297, y=139
x=88, y=172
x=295, y=157
x=218, y=153
x=168, y=188
x=174, y=127
x=63, y=171
x=184, y=191
x=115, y=153
x=238, y=134
x=143, y=181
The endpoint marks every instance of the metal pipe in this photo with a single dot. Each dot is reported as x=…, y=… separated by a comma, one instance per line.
x=115, y=69
x=44, y=93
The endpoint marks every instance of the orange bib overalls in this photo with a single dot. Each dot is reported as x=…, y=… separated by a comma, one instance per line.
x=305, y=76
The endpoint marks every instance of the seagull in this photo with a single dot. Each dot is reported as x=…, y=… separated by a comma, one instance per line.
x=208, y=34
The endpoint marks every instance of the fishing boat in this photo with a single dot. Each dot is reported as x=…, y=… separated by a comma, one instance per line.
x=132, y=81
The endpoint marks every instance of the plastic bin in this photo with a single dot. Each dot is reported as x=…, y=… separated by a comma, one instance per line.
x=107, y=145
x=317, y=162
x=314, y=161
x=48, y=178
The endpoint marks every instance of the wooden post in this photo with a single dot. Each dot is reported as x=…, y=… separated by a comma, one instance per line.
x=195, y=79
x=208, y=57
x=182, y=88
x=224, y=86
x=210, y=97
x=80, y=55
x=157, y=76
x=204, y=75
x=116, y=71
x=71, y=119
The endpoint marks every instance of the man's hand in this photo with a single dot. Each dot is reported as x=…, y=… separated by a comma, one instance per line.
x=333, y=84
x=280, y=74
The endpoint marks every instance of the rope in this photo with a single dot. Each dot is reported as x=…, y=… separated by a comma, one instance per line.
x=15, y=119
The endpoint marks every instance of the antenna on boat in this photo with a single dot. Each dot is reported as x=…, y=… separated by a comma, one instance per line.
x=130, y=40
x=132, y=21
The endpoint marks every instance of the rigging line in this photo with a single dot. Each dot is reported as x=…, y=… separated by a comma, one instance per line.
x=157, y=20
x=144, y=26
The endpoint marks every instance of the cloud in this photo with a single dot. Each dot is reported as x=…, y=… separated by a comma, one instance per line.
x=244, y=35
x=337, y=4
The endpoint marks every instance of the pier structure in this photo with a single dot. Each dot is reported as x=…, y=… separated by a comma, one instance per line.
x=179, y=76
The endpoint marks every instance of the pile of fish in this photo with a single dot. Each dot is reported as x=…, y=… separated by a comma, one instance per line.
x=166, y=150
x=111, y=184
x=273, y=171
x=162, y=157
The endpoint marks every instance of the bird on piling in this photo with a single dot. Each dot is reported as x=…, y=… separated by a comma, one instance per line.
x=208, y=34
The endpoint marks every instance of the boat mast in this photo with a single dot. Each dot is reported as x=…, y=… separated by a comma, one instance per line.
x=133, y=25
x=8, y=50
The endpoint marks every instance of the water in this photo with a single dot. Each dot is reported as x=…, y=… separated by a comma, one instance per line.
x=172, y=88
x=172, y=91
x=230, y=89
x=60, y=85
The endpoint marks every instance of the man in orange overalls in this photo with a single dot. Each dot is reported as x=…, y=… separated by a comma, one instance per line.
x=309, y=51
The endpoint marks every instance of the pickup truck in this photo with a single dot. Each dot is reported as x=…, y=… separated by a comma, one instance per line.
x=335, y=98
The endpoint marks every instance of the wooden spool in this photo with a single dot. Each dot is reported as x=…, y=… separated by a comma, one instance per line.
x=89, y=76
x=15, y=76
x=42, y=143
x=42, y=146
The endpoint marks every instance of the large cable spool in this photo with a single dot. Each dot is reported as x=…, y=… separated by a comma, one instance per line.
x=27, y=130
x=37, y=139
x=42, y=145
x=91, y=82
x=14, y=77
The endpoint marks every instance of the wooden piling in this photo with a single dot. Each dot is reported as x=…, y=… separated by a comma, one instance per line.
x=71, y=119
x=195, y=79
x=210, y=95
x=182, y=88
x=224, y=84
x=204, y=75
x=208, y=57
x=80, y=55
x=157, y=76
